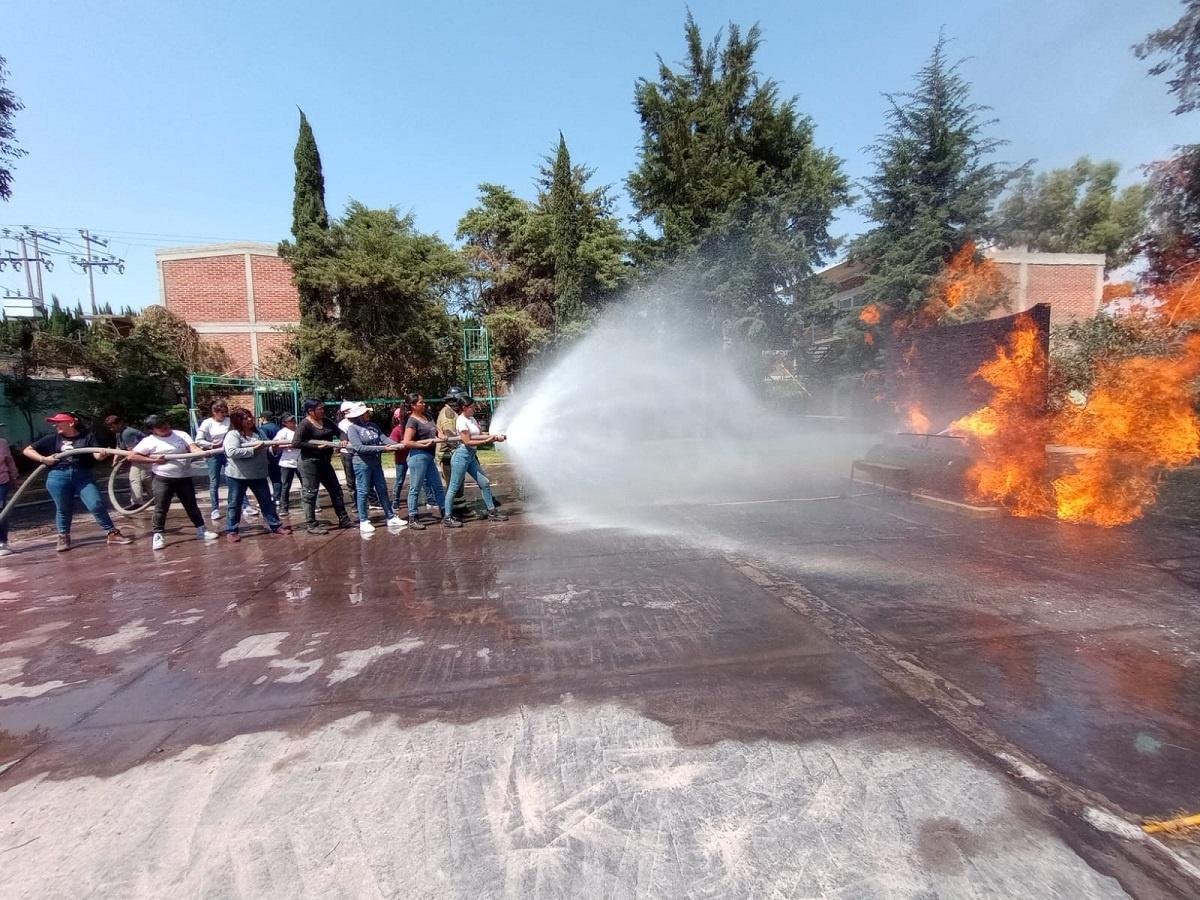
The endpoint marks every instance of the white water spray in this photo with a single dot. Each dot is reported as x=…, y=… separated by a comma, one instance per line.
x=643, y=415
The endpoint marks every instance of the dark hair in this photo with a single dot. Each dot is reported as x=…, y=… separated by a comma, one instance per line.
x=287, y=417
x=221, y=405
x=113, y=421
x=310, y=405
x=240, y=417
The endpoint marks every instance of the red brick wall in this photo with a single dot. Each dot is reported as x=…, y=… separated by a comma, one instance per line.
x=208, y=289
x=237, y=346
x=1070, y=291
x=275, y=297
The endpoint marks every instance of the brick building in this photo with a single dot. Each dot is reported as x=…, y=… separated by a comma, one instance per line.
x=1071, y=284
x=239, y=295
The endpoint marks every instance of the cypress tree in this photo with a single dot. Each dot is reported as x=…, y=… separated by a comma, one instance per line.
x=565, y=210
x=308, y=202
x=320, y=374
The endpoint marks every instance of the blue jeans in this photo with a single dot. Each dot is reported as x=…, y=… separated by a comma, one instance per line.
x=422, y=470
x=216, y=472
x=3, y=501
x=464, y=462
x=64, y=485
x=401, y=471
x=237, y=499
x=368, y=473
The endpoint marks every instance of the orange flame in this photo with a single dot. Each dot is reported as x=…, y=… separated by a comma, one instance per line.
x=916, y=420
x=870, y=315
x=965, y=288
x=1010, y=432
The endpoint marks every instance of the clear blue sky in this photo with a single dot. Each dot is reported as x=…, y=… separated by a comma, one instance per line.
x=172, y=122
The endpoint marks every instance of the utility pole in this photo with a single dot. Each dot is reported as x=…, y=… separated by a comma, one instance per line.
x=25, y=258
x=88, y=261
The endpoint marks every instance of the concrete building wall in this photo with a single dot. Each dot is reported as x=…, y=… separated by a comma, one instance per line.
x=239, y=295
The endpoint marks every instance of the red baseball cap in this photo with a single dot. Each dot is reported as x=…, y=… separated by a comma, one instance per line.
x=60, y=417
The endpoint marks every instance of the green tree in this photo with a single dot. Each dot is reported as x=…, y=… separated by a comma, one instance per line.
x=933, y=186
x=10, y=150
x=1078, y=349
x=1179, y=45
x=1171, y=241
x=528, y=256
x=18, y=379
x=392, y=332
x=320, y=374
x=1073, y=210
x=564, y=204
x=731, y=178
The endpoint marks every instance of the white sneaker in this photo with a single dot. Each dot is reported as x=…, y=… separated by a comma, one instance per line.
x=5, y=550
x=431, y=506
x=216, y=515
x=203, y=534
x=366, y=527
x=396, y=522
x=158, y=542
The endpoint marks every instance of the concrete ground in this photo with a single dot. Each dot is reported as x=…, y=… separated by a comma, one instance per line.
x=774, y=696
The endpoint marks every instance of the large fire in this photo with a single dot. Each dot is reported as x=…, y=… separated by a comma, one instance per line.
x=967, y=287
x=1138, y=421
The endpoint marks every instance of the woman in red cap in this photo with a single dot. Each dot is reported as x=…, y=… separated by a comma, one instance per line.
x=71, y=476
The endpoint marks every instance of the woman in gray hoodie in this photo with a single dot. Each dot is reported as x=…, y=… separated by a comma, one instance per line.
x=247, y=470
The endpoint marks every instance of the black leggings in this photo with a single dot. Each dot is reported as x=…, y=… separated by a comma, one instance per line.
x=166, y=488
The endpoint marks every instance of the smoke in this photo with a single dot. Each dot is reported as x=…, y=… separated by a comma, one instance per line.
x=646, y=412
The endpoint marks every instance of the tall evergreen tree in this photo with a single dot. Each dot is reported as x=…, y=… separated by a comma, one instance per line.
x=321, y=374
x=934, y=183
x=565, y=206
x=730, y=175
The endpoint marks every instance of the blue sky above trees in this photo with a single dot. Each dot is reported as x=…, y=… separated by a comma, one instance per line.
x=156, y=125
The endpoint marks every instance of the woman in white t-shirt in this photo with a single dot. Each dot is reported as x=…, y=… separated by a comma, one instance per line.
x=172, y=477
x=465, y=461
x=289, y=461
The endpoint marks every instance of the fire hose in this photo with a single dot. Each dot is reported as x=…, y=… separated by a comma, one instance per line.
x=174, y=457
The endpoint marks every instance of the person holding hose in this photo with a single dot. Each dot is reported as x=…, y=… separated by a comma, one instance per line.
x=368, y=443
x=316, y=466
x=420, y=436
x=246, y=470
x=210, y=436
x=172, y=477
x=71, y=476
x=465, y=461
x=446, y=427
x=289, y=461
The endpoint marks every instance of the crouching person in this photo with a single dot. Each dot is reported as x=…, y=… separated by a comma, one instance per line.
x=247, y=471
x=172, y=477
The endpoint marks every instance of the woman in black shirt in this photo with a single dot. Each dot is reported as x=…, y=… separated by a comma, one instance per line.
x=315, y=467
x=71, y=476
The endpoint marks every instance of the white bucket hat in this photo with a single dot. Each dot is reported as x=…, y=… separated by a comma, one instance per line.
x=356, y=409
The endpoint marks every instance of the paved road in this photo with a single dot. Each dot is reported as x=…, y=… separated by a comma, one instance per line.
x=839, y=698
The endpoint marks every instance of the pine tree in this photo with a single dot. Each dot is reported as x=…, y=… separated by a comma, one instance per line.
x=933, y=186
x=565, y=203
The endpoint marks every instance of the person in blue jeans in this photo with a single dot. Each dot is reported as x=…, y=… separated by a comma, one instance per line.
x=71, y=476
x=465, y=461
x=432, y=483
x=420, y=437
x=246, y=470
x=368, y=442
x=210, y=436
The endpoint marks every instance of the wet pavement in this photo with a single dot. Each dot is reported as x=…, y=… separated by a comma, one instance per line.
x=849, y=697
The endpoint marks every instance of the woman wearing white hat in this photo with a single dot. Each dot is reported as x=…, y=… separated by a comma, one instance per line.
x=368, y=442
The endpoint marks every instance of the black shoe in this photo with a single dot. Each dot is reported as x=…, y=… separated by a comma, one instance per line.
x=496, y=516
x=451, y=522
x=415, y=524
x=344, y=522
x=317, y=528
